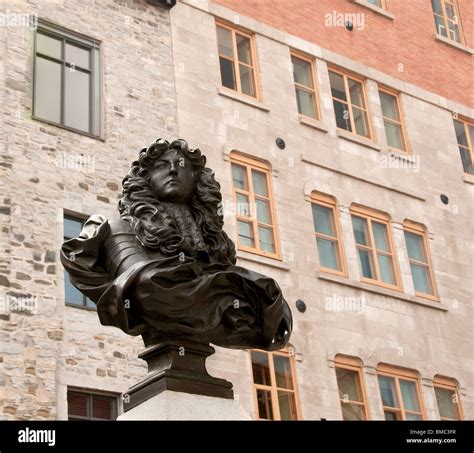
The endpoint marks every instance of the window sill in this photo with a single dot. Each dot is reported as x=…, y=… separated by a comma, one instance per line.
x=454, y=44
x=234, y=95
x=341, y=133
x=383, y=291
x=311, y=122
x=261, y=259
x=82, y=307
x=375, y=9
x=468, y=178
x=67, y=128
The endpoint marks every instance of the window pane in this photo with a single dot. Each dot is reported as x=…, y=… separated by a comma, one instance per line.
x=89, y=303
x=102, y=407
x=421, y=279
x=413, y=417
x=305, y=102
x=360, y=121
x=243, y=207
x=436, y=5
x=48, y=46
x=227, y=73
x=77, y=404
x=387, y=390
x=246, y=80
x=77, y=100
x=323, y=220
x=352, y=412
x=259, y=180
x=389, y=106
x=239, y=177
x=72, y=228
x=348, y=384
x=48, y=90
x=392, y=416
x=260, y=368
x=394, y=135
x=454, y=31
x=380, y=236
x=337, y=86
x=415, y=246
x=327, y=253
x=283, y=372
x=387, y=274
x=224, y=40
x=243, y=49
x=302, y=72
x=365, y=261
x=450, y=10
x=267, y=243
x=460, y=133
x=440, y=27
x=77, y=56
x=446, y=404
x=264, y=401
x=466, y=159
x=357, y=96
x=287, y=404
x=342, y=116
x=409, y=396
x=360, y=230
x=246, y=234
x=71, y=294
x=263, y=211
x=471, y=134
x=376, y=2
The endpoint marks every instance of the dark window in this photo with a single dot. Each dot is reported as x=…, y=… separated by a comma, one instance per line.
x=72, y=296
x=91, y=406
x=67, y=80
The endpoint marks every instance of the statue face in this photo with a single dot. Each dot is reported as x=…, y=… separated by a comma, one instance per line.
x=172, y=178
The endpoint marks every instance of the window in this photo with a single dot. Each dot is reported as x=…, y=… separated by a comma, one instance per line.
x=303, y=74
x=465, y=135
x=255, y=213
x=83, y=405
x=66, y=80
x=326, y=230
x=392, y=120
x=351, y=388
x=237, y=60
x=447, y=398
x=374, y=247
x=350, y=105
x=379, y=3
x=274, y=385
x=400, y=392
x=446, y=16
x=72, y=296
x=421, y=271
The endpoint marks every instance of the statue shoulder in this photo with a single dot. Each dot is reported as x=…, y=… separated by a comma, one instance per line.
x=120, y=226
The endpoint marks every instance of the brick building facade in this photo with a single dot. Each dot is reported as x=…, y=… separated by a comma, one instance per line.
x=368, y=136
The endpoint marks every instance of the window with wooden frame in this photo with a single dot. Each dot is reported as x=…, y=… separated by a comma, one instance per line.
x=237, y=59
x=447, y=398
x=351, y=388
x=256, y=224
x=72, y=296
x=446, y=17
x=328, y=233
x=393, y=119
x=274, y=385
x=400, y=391
x=87, y=405
x=350, y=103
x=465, y=136
x=375, y=250
x=380, y=3
x=305, y=85
x=66, y=88
x=421, y=270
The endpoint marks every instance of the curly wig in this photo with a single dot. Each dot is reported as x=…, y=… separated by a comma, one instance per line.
x=153, y=226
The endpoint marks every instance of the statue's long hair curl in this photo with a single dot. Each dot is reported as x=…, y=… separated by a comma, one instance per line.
x=153, y=226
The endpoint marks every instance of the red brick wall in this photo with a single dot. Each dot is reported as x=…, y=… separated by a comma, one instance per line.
x=383, y=43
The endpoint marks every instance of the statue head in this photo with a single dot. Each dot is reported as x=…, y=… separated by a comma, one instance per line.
x=173, y=173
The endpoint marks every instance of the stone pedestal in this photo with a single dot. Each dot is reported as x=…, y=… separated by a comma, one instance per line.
x=170, y=405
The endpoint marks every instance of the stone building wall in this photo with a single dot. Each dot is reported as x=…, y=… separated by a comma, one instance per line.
x=45, y=170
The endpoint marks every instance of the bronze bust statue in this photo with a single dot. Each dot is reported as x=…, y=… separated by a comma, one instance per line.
x=166, y=269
